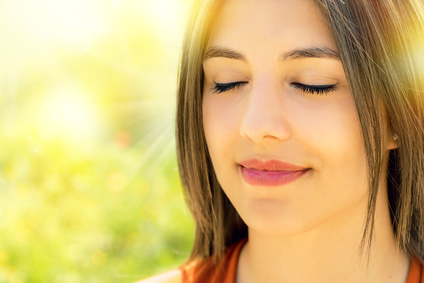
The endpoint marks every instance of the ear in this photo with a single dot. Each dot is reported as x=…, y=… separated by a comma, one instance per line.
x=392, y=140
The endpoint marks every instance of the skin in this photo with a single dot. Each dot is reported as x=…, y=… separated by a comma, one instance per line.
x=314, y=223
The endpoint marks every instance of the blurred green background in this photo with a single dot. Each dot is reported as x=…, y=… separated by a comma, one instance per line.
x=89, y=186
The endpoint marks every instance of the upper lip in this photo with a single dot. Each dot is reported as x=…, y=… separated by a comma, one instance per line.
x=270, y=165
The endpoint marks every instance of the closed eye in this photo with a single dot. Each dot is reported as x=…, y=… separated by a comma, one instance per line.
x=314, y=89
x=223, y=87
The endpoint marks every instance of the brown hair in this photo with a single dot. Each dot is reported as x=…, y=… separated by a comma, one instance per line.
x=380, y=48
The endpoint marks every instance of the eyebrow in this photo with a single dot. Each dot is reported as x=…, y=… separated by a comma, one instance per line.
x=223, y=52
x=315, y=52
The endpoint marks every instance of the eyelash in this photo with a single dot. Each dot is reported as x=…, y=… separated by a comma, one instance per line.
x=314, y=89
x=311, y=89
x=223, y=87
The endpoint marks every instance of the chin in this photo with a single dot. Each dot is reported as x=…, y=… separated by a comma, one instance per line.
x=275, y=220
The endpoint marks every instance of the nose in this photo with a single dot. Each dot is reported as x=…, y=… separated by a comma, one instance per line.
x=264, y=117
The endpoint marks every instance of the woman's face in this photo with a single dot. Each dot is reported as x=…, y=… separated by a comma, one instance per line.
x=280, y=123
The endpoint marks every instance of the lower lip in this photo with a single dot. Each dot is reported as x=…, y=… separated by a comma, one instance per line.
x=270, y=178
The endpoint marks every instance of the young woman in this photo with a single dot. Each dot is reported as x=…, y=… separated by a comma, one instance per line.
x=301, y=141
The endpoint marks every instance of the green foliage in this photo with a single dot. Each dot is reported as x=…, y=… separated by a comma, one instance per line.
x=79, y=214
x=89, y=187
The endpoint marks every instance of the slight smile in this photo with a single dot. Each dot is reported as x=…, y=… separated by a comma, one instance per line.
x=270, y=173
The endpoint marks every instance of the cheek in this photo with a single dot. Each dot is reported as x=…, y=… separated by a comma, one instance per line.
x=330, y=127
x=220, y=122
x=331, y=132
x=344, y=142
x=340, y=149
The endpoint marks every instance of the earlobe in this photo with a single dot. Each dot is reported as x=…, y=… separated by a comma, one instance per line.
x=393, y=142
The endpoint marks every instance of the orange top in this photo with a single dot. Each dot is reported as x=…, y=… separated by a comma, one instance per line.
x=225, y=272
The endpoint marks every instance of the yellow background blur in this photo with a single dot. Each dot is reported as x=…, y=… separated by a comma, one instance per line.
x=89, y=187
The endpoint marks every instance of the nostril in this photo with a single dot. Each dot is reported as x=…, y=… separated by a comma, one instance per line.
x=264, y=128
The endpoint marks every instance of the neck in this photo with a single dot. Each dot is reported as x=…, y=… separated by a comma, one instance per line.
x=329, y=253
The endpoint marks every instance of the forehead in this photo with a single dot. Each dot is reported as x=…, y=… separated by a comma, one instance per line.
x=268, y=24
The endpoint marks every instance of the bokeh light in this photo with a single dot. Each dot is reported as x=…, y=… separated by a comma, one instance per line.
x=87, y=166
x=69, y=113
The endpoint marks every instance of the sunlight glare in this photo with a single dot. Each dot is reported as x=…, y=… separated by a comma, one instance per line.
x=71, y=24
x=70, y=114
x=166, y=16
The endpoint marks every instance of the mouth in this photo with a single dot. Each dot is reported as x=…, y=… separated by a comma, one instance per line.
x=270, y=173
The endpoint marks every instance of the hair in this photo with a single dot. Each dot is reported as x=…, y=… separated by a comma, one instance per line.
x=381, y=45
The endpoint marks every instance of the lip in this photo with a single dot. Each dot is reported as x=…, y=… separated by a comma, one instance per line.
x=270, y=173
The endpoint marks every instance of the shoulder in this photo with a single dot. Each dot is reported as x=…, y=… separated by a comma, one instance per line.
x=173, y=276
x=416, y=271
